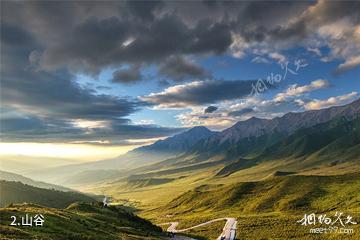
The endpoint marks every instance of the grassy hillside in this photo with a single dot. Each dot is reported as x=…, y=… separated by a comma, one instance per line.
x=148, y=182
x=330, y=146
x=267, y=209
x=327, y=149
x=336, y=142
x=16, y=192
x=338, y=132
x=80, y=221
x=278, y=193
x=338, y=154
x=92, y=177
x=268, y=189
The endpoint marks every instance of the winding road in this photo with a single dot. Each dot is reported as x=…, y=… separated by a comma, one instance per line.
x=228, y=233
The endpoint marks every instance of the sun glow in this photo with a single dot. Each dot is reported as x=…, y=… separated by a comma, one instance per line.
x=83, y=152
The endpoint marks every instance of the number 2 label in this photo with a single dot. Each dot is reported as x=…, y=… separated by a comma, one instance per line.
x=13, y=223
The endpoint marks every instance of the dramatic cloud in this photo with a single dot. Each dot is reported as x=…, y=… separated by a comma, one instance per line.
x=229, y=112
x=199, y=93
x=337, y=23
x=51, y=130
x=88, y=36
x=46, y=44
x=43, y=106
x=129, y=75
x=238, y=110
x=179, y=69
x=210, y=109
x=58, y=95
x=349, y=64
x=97, y=35
x=331, y=24
x=241, y=112
x=296, y=90
x=145, y=10
x=332, y=101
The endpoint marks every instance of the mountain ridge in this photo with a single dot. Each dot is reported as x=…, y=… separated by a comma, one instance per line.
x=179, y=142
x=287, y=124
x=256, y=139
x=17, y=192
x=9, y=176
x=329, y=140
x=243, y=140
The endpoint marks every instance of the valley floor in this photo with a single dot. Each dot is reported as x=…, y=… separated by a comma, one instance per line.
x=266, y=209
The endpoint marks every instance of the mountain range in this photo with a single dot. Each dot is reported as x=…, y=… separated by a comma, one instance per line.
x=306, y=161
x=285, y=125
x=199, y=147
x=252, y=138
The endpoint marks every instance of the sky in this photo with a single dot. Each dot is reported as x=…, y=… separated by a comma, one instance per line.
x=88, y=80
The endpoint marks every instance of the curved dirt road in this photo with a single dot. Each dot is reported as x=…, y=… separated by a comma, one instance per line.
x=229, y=230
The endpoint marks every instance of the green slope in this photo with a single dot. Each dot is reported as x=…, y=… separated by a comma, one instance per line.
x=309, y=140
x=331, y=148
x=80, y=221
x=331, y=143
x=336, y=142
x=267, y=209
x=17, y=192
x=136, y=183
x=92, y=177
x=278, y=193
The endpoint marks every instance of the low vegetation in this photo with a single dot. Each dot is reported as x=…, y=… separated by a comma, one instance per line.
x=17, y=192
x=267, y=209
x=79, y=221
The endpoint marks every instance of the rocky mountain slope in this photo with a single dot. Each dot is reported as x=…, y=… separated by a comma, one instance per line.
x=287, y=124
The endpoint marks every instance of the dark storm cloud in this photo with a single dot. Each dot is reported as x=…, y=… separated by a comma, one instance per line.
x=257, y=18
x=58, y=103
x=127, y=76
x=58, y=94
x=210, y=37
x=98, y=43
x=31, y=128
x=210, y=109
x=43, y=106
x=282, y=25
x=145, y=10
x=45, y=43
x=14, y=124
x=90, y=35
x=199, y=93
x=54, y=94
x=179, y=69
x=326, y=12
x=95, y=34
x=241, y=112
x=14, y=35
